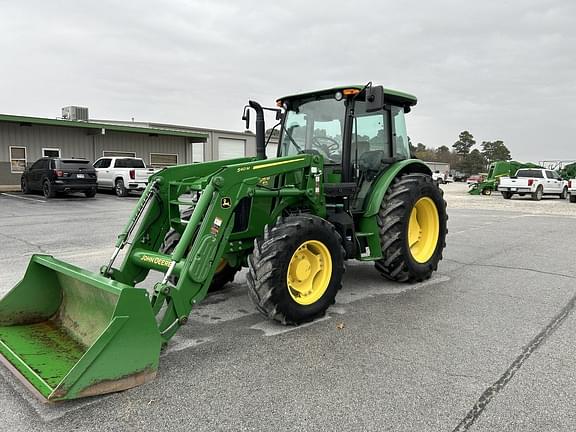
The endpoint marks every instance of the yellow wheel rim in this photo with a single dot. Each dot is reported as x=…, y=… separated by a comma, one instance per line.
x=423, y=230
x=309, y=272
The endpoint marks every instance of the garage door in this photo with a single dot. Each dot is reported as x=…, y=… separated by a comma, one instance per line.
x=229, y=148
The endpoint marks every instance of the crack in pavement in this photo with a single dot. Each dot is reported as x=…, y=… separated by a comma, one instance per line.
x=477, y=264
x=26, y=242
x=490, y=393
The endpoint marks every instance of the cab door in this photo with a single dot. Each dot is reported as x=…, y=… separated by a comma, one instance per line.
x=552, y=185
x=102, y=167
x=371, y=144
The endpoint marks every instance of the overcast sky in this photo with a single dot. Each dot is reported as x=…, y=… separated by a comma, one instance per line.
x=500, y=69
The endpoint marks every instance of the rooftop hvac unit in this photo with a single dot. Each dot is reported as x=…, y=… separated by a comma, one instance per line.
x=75, y=113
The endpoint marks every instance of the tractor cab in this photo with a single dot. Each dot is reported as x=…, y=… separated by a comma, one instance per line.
x=359, y=131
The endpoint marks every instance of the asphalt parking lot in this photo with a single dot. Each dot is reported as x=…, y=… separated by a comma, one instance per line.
x=485, y=345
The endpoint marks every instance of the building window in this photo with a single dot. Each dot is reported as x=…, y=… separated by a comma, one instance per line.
x=114, y=153
x=17, y=159
x=163, y=159
x=51, y=152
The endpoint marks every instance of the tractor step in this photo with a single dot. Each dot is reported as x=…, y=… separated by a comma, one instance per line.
x=363, y=234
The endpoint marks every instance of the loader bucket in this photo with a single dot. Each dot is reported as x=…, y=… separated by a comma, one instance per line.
x=69, y=333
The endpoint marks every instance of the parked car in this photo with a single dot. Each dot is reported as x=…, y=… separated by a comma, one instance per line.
x=534, y=181
x=572, y=190
x=439, y=177
x=122, y=174
x=458, y=176
x=59, y=175
x=473, y=179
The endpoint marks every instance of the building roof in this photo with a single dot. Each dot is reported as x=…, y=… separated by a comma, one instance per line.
x=7, y=118
x=400, y=96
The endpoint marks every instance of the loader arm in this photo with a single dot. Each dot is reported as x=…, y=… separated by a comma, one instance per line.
x=206, y=237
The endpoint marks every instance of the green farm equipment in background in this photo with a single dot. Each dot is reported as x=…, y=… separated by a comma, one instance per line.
x=568, y=171
x=497, y=169
x=343, y=186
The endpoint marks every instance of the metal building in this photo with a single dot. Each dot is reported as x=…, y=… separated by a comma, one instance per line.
x=24, y=139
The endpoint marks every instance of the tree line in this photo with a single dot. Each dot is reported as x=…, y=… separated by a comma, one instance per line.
x=463, y=156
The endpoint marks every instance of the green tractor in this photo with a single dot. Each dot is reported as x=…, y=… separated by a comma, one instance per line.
x=342, y=187
x=497, y=169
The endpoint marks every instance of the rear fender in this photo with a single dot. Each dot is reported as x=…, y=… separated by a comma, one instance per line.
x=369, y=221
x=381, y=185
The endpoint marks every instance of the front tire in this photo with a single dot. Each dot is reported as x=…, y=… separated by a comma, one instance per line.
x=412, y=222
x=296, y=270
x=487, y=191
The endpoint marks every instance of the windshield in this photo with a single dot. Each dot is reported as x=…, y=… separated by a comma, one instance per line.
x=314, y=126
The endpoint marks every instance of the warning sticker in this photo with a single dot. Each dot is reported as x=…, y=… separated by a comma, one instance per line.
x=216, y=225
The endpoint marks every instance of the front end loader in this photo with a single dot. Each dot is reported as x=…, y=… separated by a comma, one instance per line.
x=343, y=186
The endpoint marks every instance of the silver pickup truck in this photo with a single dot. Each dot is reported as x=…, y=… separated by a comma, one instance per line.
x=534, y=181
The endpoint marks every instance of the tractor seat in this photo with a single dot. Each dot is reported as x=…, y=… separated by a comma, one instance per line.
x=371, y=161
x=362, y=147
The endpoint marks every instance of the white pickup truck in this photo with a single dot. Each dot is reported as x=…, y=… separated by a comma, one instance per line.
x=534, y=181
x=438, y=177
x=122, y=174
x=572, y=190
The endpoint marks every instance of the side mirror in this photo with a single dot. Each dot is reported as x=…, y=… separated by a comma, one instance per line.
x=246, y=117
x=374, y=98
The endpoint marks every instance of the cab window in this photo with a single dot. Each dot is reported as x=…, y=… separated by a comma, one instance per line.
x=401, y=146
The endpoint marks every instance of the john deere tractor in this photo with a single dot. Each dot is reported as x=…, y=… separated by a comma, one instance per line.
x=343, y=186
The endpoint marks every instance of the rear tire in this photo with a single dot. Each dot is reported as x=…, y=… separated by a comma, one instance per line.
x=224, y=275
x=120, y=188
x=564, y=193
x=296, y=270
x=507, y=195
x=572, y=198
x=24, y=186
x=90, y=193
x=537, y=196
x=48, y=190
x=401, y=261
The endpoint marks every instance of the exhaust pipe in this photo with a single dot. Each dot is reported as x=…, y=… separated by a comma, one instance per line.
x=260, y=129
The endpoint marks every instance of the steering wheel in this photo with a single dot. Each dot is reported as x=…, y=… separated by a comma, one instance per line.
x=329, y=147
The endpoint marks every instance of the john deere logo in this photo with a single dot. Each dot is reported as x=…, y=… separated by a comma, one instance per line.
x=226, y=202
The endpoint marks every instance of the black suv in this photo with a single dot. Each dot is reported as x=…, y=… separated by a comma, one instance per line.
x=53, y=175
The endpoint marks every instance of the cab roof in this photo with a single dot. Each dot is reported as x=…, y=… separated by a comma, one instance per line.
x=395, y=96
